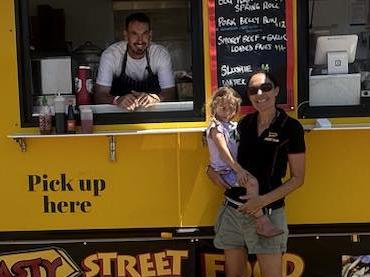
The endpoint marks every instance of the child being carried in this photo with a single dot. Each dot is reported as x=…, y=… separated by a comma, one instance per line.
x=222, y=141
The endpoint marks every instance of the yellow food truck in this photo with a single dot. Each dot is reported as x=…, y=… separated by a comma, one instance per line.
x=132, y=198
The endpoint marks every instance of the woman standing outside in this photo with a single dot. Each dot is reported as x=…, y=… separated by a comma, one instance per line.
x=269, y=141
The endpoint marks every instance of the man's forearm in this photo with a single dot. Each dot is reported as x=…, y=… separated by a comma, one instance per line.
x=102, y=95
x=103, y=99
x=167, y=94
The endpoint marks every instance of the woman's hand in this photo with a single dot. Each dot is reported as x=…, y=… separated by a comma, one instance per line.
x=253, y=204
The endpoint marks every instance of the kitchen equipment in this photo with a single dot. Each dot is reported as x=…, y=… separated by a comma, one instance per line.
x=52, y=75
x=335, y=90
x=88, y=54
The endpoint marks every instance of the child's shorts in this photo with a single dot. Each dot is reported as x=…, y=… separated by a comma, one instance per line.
x=230, y=178
x=234, y=229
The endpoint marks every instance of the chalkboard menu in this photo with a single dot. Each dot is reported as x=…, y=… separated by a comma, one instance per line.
x=246, y=35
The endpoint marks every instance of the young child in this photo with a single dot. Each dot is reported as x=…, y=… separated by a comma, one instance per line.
x=222, y=145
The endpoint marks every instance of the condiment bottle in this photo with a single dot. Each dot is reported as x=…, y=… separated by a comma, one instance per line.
x=83, y=85
x=59, y=114
x=45, y=118
x=71, y=120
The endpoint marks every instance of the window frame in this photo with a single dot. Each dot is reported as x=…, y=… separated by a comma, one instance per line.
x=303, y=108
x=197, y=56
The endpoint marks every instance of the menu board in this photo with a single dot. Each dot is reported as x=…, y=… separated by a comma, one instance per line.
x=246, y=35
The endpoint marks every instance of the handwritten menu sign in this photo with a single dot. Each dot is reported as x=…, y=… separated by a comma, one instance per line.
x=249, y=34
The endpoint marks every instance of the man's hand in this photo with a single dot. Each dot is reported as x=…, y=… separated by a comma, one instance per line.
x=136, y=99
x=146, y=99
x=128, y=102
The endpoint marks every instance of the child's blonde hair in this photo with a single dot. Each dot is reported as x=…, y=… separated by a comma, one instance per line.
x=228, y=94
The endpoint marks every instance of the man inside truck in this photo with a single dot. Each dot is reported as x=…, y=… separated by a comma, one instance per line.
x=135, y=72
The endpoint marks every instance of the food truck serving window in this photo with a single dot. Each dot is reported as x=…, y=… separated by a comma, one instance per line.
x=61, y=44
x=334, y=58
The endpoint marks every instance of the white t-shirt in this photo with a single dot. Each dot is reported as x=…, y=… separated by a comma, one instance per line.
x=111, y=65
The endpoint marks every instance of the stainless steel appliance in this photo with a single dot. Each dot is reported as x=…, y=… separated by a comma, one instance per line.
x=52, y=75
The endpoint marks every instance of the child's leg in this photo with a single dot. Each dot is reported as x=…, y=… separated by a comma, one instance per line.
x=253, y=189
x=264, y=226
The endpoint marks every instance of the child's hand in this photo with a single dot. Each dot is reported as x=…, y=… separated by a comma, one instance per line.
x=242, y=176
x=248, y=181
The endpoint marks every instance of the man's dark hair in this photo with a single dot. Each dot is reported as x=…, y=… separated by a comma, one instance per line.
x=141, y=17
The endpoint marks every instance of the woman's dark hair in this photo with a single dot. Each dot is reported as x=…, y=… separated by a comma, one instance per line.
x=141, y=17
x=267, y=74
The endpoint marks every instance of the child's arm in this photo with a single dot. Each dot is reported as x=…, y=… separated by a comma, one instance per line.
x=220, y=142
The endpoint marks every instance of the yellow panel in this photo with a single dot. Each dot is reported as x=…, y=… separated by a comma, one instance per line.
x=8, y=68
x=200, y=198
x=337, y=180
x=140, y=187
x=157, y=180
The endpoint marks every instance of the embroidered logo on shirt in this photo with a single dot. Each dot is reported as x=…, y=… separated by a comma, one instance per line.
x=273, y=137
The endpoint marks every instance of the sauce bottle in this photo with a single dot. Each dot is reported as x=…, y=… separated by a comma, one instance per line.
x=59, y=114
x=71, y=120
x=45, y=118
x=83, y=85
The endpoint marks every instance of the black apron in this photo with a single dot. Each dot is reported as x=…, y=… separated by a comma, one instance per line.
x=124, y=84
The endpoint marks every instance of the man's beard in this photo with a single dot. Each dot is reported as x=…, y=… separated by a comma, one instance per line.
x=139, y=50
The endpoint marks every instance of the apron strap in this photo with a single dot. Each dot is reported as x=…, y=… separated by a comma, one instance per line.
x=150, y=72
x=124, y=62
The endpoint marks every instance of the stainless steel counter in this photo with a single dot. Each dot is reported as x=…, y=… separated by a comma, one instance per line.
x=159, y=107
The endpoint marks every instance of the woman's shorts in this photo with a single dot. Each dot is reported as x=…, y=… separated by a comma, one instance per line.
x=234, y=229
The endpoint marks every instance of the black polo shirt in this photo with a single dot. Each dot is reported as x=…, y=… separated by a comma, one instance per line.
x=266, y=156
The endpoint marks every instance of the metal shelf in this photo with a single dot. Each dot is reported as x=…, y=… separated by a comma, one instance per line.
x=20, y=138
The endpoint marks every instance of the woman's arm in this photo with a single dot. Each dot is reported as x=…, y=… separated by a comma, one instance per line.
x=297, y=172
